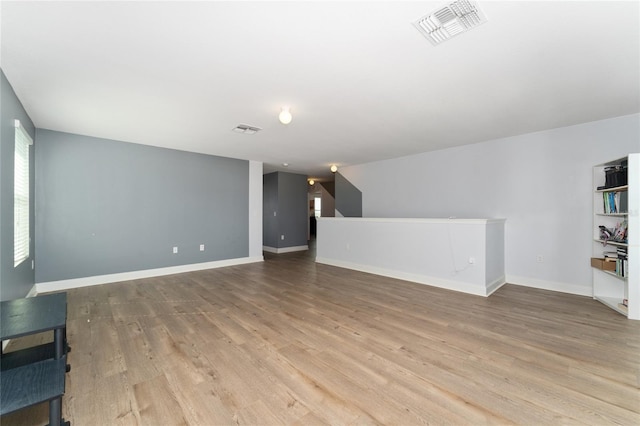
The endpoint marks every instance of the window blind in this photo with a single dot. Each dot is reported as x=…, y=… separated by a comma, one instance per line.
x=21, y=195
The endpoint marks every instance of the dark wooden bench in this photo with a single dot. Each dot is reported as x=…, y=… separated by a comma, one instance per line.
x=30, y=355
x=32, y=384
x=37, y=374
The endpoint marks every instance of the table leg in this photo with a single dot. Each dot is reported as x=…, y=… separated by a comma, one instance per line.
x=55, y=412
x=58, y=342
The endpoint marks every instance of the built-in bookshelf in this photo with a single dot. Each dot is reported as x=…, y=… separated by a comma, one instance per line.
x=616, y=235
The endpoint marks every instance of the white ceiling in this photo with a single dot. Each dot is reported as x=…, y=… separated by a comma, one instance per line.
x=363, y=84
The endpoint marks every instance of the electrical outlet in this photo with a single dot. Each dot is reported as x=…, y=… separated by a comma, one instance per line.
x=201, y=247
x=472, y=260
x=539, y=258
x=282, y=237
x=175, y=250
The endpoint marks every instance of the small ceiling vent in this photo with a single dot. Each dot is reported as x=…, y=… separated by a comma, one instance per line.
x=455, y=18
x=246, y=129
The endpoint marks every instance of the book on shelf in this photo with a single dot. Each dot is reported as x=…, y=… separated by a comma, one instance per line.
x=620, y=231
x=624, y=202
x=616, y=235
x=615, y=202
x=622, y=264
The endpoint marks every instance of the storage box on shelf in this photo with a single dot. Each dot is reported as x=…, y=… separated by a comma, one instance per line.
x=616, y=235
x=603, y=264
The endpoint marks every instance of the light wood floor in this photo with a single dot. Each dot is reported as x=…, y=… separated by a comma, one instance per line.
x=291, y=342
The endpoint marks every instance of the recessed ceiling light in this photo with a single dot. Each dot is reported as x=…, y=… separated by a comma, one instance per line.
x=246, y=129
x=285, y=116
x=285, y=164
x=448, y=21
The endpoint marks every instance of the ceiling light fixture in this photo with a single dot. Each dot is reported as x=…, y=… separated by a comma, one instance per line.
x=312, y=182
x=285, y=164
x=246, y=129
x=455, y=18
x=334, y=168
x=285, y=116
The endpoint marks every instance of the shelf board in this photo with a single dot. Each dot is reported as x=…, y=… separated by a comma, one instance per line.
x=612, y=302
x=612, y=214
x=614, y=275
x=613, y=243
x=617, y=188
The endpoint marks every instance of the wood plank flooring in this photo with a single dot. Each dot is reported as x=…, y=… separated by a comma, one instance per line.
x=289, y=341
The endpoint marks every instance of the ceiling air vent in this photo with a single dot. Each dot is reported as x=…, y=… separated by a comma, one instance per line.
x=246, y=129
x=455, y=18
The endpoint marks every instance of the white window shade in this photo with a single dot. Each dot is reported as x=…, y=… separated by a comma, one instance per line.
x=21, y=195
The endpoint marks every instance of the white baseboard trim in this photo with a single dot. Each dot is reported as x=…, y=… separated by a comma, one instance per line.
x=135, y=275
x=416, y=278
x=550, y=285
x=284, y=249
x=495, y=285
x=33, y=292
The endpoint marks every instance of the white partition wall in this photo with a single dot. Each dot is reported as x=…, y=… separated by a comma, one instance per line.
x=458, y=254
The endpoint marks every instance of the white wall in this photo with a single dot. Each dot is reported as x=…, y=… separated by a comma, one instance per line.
x=255, y=210
x=540, y=182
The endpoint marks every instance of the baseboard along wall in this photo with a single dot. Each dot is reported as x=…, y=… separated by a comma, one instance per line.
x=46, y=287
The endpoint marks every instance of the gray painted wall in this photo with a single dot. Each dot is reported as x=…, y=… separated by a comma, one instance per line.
x=104, y=207
x=328, y=191
x=14, y=282
x=348, y=197
x=269, y=207
x=285, y=194
x=293, y=205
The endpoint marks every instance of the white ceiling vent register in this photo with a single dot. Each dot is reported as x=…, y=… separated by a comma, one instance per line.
x=246, y=129
x=455, y=18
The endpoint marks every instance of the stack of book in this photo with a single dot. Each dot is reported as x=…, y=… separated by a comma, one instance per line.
x=622, y=262
x=621, y=258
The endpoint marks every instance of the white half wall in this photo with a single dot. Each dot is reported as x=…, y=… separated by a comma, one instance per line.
x=540, y=182
x=457, y=254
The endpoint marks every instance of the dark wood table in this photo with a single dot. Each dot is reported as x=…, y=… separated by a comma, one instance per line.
x=37, y=380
